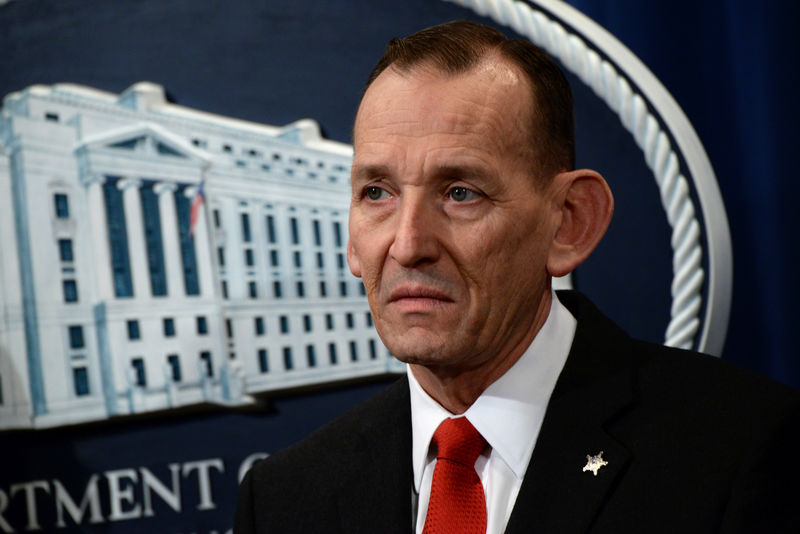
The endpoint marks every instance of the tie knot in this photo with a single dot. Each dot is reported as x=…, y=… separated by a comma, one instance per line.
x=458, y=441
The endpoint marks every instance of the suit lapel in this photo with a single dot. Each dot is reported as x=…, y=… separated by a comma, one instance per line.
x=378, y=498
x=594, y=386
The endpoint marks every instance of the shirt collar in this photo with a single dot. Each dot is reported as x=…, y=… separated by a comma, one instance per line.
x=520, y=395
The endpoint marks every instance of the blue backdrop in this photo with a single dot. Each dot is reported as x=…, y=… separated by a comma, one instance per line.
x=732, y=66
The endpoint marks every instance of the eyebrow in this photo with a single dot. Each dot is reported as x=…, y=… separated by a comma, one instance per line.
x=367, y=171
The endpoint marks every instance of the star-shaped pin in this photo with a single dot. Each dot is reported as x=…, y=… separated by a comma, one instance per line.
x=594, y=463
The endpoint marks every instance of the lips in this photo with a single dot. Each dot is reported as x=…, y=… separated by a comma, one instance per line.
x=415, y=292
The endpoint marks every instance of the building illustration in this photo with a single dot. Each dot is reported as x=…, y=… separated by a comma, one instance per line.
x=153, y=256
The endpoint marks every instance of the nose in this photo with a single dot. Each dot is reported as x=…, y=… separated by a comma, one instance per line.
x=415, y=242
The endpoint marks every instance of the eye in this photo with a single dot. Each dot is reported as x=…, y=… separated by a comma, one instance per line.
x=461, y=194
x=374, y=192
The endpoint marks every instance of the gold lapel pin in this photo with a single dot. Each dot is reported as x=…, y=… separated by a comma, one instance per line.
x=594, y=463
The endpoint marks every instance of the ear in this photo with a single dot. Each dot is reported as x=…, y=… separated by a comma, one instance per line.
x=586, y=205
x=352, y=260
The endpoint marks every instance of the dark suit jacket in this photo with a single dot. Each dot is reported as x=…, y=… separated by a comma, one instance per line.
x=692, y=444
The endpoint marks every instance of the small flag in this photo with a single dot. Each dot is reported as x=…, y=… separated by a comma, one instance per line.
x=197, y=205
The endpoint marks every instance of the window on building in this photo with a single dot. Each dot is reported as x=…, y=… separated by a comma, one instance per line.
x=277, y=290
x=343, y=288
x=80, y=381
x=271, y=229
x=246, y=228
x=298, y=259
x=169, y=327
x=118, y=239
x=224, y=289
x=301, y=290
x=205, y=358
x=307, y=326
x=227, y=148
x=337, y=233
x=284, y=321
x=288, y=364
x=259, y=326
x=273, y=258
x=323, y=290
x=133, y=329
x=263, y=361
x=65, y=249
x=329, y=321
x=295, y=230
x=51, y=116
x=61, y=205
x=373, y=349
x=217, y=219
x=320, y=260
x=362, y=290
x=249, y=257
x=349, y=320
x=151, y=220
x=221, y=256
x=229, y=328
x=340, y=261
x=140, y=378
x=311, y=356
x=332, y=353
x=175, y=367
x=368, y=317
x=317, y=233
x=188, y=258
x=70, y=291
x=202, y=325
x=353, y=351
x=76, y=337
x=252, y=289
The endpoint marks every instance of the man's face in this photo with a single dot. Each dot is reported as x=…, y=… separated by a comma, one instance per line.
x=448, y=230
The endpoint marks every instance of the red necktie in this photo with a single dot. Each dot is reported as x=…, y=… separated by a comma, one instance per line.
x=457, y=504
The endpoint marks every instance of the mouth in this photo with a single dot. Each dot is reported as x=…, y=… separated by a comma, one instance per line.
x=418, y=299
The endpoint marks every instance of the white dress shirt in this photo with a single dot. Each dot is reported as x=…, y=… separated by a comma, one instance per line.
x=508, y=414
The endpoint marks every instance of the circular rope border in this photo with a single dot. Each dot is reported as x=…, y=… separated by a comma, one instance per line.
x=631, y=108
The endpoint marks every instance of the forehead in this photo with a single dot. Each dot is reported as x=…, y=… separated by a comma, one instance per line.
x=488, y=105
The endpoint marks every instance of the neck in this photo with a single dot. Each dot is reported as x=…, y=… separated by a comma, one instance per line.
x=457, y=389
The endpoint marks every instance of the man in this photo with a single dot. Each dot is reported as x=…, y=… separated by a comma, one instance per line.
x=465, y=204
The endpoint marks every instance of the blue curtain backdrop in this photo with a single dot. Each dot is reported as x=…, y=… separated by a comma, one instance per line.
x=732, y=66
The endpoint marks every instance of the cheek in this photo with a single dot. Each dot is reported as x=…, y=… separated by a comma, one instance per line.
x=503, y=255
x=366, y=262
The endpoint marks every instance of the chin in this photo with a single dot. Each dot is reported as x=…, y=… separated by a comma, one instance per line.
x=424, y=354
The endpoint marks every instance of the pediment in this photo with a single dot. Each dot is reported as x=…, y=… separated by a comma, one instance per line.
x=145, y=140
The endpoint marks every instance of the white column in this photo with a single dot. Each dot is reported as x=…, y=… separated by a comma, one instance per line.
x=234, y=260
x=137, y=252
x=100, y=245
x=202, y=248
x=169, y=235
